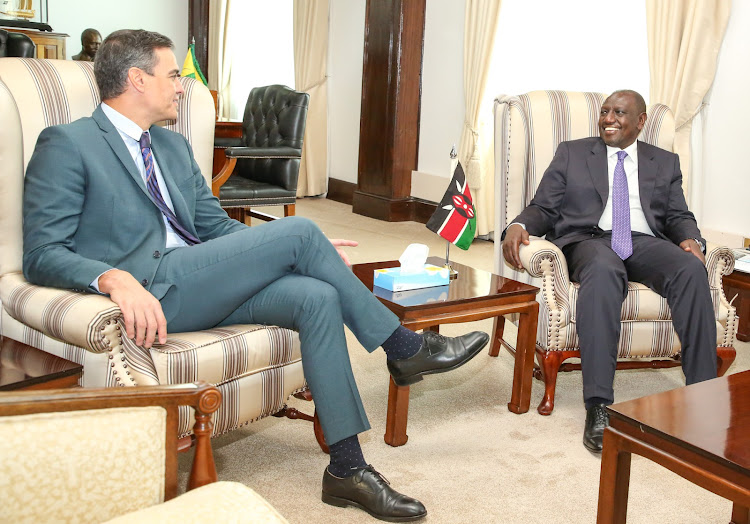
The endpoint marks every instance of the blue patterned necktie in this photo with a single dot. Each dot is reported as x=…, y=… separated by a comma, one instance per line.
x=153, y=189
x=622, y=239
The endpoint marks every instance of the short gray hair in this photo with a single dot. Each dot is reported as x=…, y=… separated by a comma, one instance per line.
x=122, y=50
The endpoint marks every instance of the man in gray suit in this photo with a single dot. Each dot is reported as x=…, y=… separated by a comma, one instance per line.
x=616, y=209
x=117, y=205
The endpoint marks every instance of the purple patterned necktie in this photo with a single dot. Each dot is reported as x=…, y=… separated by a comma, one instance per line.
x=153, y=189
x=622, y=240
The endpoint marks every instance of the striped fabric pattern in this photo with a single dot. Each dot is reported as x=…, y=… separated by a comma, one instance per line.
x=528, y=130
x=255, y=367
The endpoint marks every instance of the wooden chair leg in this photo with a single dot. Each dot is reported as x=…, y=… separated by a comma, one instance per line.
x=289, y=210
x=318, y=429
x=498, y=326
x=725, y=357
x=740, y=514
x=549, y=364
x=237, y=213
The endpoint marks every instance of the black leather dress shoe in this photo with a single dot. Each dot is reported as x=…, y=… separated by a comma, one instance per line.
x=438, y=354
x=369, y=490
x=597, y=419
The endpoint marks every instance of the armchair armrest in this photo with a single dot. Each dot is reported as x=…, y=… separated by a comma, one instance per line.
x=263, y=152
x=543, y=259
x=86, y=320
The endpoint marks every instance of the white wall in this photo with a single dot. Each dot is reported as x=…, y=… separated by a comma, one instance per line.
x=726, y=163
x=346, y=41
x=169, y=17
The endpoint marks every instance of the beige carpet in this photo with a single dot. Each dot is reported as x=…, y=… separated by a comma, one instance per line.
x=468, y=458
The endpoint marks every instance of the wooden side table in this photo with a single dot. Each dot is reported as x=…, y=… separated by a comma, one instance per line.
x=474, y=295
x=738, y=283
x=25, y=367
x=699, y=432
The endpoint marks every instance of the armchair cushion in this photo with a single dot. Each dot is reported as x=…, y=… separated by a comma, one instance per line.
x=216, y=502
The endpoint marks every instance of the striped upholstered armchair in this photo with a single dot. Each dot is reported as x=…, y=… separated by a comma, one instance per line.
x=528, y=129
x=256, y=368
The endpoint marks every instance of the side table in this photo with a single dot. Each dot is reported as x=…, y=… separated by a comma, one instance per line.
x=25, y=367
x=474, y=295
x=738, y=283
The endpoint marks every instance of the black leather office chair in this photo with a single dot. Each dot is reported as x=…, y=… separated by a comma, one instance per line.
x=16, y=44
x=267, y=156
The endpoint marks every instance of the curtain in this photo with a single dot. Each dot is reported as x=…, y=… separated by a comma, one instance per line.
x=684, y=37
x=310, y=70
x=480, y=24
x=219, y=57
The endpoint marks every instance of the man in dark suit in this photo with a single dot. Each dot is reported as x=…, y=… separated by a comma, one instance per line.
x=616, y=209
x=116, y=204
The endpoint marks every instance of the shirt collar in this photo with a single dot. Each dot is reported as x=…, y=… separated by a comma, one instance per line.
x=631, y=150
x=122, y=123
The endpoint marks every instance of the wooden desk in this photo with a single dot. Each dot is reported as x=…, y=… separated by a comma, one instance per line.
x=738, y=283
x=474, y=295
x=25, y=367
x=701, y=432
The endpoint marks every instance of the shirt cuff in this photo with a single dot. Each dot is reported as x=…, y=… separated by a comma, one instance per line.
x=95, y=284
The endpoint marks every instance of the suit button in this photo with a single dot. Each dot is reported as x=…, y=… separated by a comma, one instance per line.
x=157, y=254
x=144, y=282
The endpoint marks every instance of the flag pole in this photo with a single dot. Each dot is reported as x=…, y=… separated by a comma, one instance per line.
x=453, y=272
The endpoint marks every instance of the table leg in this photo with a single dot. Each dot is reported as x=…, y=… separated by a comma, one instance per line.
x=520, y=396
x=498, y=326
x=397, y=415
x=740, y=514
x=614, y=481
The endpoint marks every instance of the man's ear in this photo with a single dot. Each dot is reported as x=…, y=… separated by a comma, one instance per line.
x=137, y=79
x=642, y=120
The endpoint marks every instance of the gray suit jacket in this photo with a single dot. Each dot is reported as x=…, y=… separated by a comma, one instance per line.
x=572, y=194
x=86, y=208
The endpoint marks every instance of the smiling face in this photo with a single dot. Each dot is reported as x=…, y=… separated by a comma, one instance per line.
x=163, y=88
x=621, y=120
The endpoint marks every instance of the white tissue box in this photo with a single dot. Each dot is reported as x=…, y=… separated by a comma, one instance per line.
x=392, y=279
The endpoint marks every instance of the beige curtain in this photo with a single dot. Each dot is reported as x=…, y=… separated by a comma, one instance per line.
x=684, y=37
x=480, y=24
x=310, y=70
x=219, y=57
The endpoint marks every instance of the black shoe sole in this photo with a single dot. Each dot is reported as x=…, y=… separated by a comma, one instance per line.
x=342, y=503
x=411, y=379
x=591, y=448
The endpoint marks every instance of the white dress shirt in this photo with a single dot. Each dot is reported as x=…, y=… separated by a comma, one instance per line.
x=637, y=218
x=130, y=132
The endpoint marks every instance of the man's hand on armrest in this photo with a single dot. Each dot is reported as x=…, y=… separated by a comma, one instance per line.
x=141, y=311
x=515, y=235
x=691, y=246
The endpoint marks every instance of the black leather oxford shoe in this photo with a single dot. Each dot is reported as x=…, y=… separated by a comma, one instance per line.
x=438, y=354
x=369, y=490
x=597, y=419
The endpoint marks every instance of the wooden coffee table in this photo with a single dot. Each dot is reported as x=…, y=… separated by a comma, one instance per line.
x=701, y=432
x=25, y=367
x=474, y=295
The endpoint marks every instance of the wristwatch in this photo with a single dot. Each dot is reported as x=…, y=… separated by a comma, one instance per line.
x=701, y=245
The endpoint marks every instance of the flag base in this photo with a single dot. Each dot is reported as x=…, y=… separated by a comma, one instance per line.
x=452, y=272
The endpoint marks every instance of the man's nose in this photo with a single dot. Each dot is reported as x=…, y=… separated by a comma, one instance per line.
x=609, y=116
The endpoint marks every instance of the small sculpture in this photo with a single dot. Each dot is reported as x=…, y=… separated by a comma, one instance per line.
x=91, y=39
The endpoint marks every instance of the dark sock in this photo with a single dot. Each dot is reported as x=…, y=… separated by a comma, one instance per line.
x=346, y=456
x=403, y=343
x=594, y=401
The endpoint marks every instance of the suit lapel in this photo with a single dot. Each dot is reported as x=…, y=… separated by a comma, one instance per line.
x=597, y=164
x=647, y=171
x=113, y=138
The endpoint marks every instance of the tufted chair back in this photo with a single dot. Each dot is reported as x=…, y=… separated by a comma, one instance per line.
x=274, y=117
x=3, y=43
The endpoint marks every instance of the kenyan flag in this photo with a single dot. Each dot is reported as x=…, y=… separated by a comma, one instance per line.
x=455, y=218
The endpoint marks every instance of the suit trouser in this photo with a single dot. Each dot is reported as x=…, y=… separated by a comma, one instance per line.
x=666, y=268
x=285, y=273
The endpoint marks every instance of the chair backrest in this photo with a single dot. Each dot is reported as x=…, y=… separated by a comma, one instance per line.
x=3, y=43
x=528, y=129
x=35, y=94
x=20, y=45
x=275, y=117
